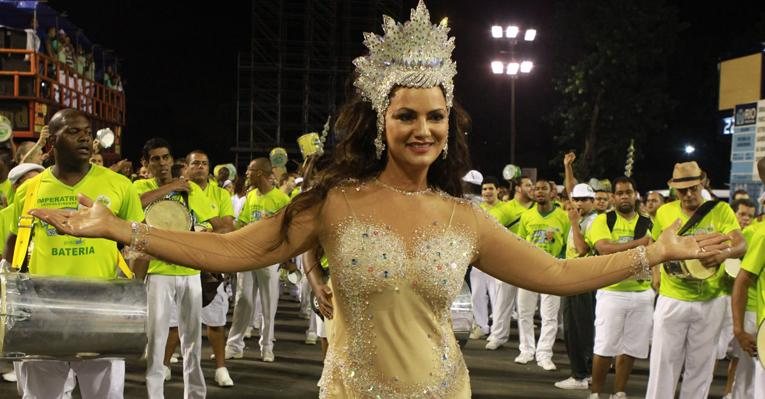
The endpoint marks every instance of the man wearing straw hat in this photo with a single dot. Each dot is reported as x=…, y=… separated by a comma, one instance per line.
x=689, y=312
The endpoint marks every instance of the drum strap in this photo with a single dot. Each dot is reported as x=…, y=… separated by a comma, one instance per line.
x=26, y=222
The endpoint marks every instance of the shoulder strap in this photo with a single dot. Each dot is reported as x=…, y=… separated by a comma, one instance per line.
x=697, y=216
x=26, y=221
x=611, y=220
x=643, y=225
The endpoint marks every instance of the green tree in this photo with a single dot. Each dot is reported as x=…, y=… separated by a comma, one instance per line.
x=611, y=80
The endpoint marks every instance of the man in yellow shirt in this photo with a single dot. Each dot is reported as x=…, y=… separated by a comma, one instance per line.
x=62, y=255
x=689, y=312
x=505, y=294
x=623, y=311
x=545, y=226
x=262, y=202
x=174, y=292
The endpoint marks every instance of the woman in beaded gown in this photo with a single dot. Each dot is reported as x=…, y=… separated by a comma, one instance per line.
x=387, y=213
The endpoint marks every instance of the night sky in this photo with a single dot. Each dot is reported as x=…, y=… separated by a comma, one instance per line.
x=179, y=69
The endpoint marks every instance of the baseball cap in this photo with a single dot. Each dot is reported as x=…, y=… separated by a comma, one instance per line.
x=583, y=190
x=21, y=169
x=473, y=177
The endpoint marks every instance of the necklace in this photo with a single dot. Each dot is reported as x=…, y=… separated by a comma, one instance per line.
x=404, y=192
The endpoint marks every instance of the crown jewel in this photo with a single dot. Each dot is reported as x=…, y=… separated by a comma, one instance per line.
x=414, y=54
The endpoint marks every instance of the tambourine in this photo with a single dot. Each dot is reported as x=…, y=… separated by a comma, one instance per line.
x=689, y=270
x=169, y=214
x=732, y=266
x=310, y=144
x=760, y=338
x=278, y=157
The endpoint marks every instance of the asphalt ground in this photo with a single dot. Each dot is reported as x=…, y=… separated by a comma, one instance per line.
x=298, y=366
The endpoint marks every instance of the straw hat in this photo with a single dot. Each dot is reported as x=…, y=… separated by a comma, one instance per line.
x=685, y=174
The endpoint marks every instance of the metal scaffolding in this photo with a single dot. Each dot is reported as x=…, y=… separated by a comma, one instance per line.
x=296, y=71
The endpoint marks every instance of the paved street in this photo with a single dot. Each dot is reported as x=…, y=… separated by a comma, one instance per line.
x=298, y=367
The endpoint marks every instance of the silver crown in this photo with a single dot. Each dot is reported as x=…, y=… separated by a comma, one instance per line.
x=415, y=54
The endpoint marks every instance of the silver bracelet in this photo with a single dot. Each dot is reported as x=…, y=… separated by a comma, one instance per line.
x=640, y=267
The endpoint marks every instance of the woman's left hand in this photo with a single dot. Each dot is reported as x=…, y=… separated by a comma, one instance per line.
x=700, y=246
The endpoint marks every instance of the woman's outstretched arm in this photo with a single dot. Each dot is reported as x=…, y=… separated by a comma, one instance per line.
x=257, y=245
x=509, y=258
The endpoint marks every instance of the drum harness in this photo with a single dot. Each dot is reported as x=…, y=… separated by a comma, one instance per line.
x=26, y=222
x=701, y=211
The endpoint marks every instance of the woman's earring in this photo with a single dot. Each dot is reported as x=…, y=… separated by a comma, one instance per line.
x=446, y=148
x=379, y=146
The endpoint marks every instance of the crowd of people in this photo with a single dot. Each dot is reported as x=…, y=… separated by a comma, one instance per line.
x=385, y=227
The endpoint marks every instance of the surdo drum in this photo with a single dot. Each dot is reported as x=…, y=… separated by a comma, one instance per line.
x=67, y=318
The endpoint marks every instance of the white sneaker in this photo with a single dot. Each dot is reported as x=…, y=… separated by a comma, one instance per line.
x=166, y=372
x=618, y=395
x=494, y=345
x=174, y=358
x=311, y=339
x=524, y=358
x=230, y=354
x=572, y=383
x=594, y=396
x=546, y=364
x=589, y=380
x=248, y=332
x=728, y=396
x=10, y=376
x=477, y=333
x=222, y=378
x=268, y=355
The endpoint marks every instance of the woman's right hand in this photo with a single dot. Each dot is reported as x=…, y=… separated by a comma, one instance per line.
x=90, y=220
x=324, y=296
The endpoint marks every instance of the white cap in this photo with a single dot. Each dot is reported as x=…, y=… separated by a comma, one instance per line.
x=298, y=180
x=583, y=190
x=21, y=169
x=473, y=177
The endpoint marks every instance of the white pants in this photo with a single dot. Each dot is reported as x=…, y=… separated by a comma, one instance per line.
x=264, y=281
x=214, y=314
x=482, y=291
x=501, y=310
x=725, y=341
x=43, y=379
x=548, y=309
x=623, y=323
x=185, y=292
x=684, y=333
x=759, y=381
x=743, y=385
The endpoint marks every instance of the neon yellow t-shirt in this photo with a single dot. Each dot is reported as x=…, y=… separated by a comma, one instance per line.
x=220, y=198
x=63, y=255
x=623, y=232
x=257, y=206
x=720, y=219
x=6, y=221
x=548, y=232
x=295, y=192
x=751, y=292
x=515, y=209
x=202, y=210
x=754, y=262
x=6, y=189
x=584, y=225
x=498, y=211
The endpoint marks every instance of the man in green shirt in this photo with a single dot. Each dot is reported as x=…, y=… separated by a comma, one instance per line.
x=262, y=202
x=174, y=292
x=505, y=294
x=62, y=255
x=689, y=312
x=545, y=226
x=623, y=311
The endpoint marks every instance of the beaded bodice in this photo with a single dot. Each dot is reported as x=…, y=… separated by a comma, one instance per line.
x=392, y=301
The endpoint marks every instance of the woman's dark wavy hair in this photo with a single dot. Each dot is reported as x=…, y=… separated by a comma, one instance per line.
x=354, y=156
